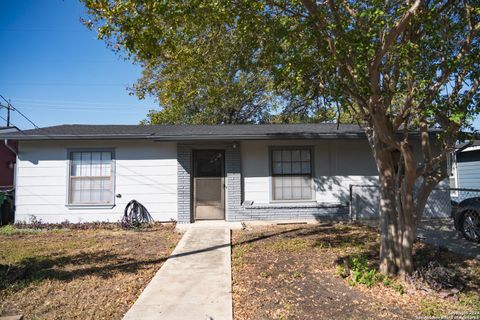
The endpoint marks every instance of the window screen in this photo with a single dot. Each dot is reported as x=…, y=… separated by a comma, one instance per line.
x=291, y=174
x=91, y=177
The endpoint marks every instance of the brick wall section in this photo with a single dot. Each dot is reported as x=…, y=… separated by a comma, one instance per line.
x=291, y=212
x=234, y=210
x=233, y=181
x=184, y=169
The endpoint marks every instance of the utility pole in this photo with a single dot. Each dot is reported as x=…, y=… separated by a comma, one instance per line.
x=10, y=108
x=8, y=113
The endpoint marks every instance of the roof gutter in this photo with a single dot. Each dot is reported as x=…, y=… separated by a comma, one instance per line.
x=9, y=147
x=469, y=144
x=318, y=136
x=76, y=137
x=256, y=137
x=198, y=137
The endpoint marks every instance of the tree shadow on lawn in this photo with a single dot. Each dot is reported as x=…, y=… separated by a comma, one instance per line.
x=349, y=241
x=326, y=235
x=336, y=239
x=423, y=254
x=69, y=267
x=66, y=268
x=365, y=242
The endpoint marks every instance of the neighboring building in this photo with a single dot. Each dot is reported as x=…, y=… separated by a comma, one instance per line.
x=7, y=160
x=188, y=173
x=7, y=176
x=465, y=171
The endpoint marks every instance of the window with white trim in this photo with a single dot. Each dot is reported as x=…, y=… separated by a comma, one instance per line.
x=90, y=178
x=291, y=174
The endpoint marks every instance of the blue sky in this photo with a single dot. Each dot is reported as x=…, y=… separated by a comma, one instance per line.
x=56, y=71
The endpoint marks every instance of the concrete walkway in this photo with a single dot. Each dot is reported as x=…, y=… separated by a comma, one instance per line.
x=194, y=283
x=441, y=232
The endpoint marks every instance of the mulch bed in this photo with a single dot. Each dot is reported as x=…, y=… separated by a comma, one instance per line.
x=79, y=274
x=291, y=272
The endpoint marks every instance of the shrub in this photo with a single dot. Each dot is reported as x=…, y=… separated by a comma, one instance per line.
x=358, y=271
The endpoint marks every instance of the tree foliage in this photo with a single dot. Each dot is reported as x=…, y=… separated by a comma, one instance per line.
x=203, y=63
x=392, y=66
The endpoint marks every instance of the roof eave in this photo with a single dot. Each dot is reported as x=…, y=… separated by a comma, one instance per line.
x=73, y=137
x=200, y=137
x=185, y=137
x=258, y=137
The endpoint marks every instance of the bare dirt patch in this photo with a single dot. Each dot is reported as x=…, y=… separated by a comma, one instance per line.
x=292, y=272
x=79, y=274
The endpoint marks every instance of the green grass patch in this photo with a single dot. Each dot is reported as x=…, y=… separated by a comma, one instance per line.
x=239, y=252
x=342, y=227
x=343, y=241
x=431, y=308
x=290, y=245
x=470, y=300
x=391, y=283
x=14, y=252
x=11, y=230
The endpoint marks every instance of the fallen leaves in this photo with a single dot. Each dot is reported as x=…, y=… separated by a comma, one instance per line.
x=291, y=273
x=81, y=274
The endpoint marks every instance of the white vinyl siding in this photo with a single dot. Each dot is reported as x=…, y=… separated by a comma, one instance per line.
x=143, y=170
x=335, y=165
x=91, y=180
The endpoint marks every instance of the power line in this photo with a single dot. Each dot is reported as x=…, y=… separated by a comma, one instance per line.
x=43, y=30
x=63, y=84
x=100, y=111
x=88, y=106
x=64, y=102
x=83, y=109
x=27, y=105
x=19, y=112
x=13, y=125
x=8, y=113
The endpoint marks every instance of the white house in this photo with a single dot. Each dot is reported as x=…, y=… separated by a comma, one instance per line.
x=83, y=173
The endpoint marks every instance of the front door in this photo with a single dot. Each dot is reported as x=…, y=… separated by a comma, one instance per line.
x=208, y=184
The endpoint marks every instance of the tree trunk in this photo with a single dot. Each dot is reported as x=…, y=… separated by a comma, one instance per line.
x=397, y=226
x=397, y=231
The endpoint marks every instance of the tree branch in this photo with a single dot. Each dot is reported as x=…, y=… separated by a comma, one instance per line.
x=447, y=71
x=393, y=35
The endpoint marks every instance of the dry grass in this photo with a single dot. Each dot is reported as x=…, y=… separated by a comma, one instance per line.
x=291, y=272
x=78, y=274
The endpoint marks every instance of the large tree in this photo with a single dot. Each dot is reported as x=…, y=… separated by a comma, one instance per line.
x=393, y=66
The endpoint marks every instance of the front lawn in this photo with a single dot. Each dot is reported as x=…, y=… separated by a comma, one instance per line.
x=78, y=274
x=299, y=272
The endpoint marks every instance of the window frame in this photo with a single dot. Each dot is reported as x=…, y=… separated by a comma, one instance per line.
x=311, y=149
x=454, y=174
x=68, y=202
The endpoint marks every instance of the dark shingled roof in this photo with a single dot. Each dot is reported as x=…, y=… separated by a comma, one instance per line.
x=193, y=132
x=8, y=129
x=465, y=146
x=190, y=132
